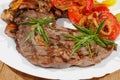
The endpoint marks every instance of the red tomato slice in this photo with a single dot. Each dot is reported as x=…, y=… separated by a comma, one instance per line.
x=111, y=21
x=78, y=9
x=89, y=6
x=101, y=9
x=86, y=5
x=74, y=14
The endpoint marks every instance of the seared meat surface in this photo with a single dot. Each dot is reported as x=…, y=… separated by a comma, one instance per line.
x=57, y=54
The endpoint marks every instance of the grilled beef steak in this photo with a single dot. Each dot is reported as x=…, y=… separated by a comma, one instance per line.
x=57, y=54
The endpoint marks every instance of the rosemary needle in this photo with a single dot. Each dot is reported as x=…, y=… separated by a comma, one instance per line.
x=38, y=27
x=87, y=36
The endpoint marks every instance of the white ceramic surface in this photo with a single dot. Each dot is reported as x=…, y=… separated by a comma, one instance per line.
x=10, y=56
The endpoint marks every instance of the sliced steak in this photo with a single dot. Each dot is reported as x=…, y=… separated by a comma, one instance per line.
x=57, y=54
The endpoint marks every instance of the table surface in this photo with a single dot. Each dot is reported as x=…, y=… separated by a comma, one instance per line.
x=8, y=73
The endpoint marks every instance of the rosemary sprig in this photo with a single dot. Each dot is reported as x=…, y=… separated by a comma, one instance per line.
x=87, y=36
x=38, y=27
x=30, y=35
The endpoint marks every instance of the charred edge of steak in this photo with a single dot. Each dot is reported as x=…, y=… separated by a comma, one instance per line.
x=56, y=55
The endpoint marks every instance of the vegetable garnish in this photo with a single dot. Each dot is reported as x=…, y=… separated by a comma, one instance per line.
x=38, y=25
x=87, y=36
x=105, y=2
x=118, y=17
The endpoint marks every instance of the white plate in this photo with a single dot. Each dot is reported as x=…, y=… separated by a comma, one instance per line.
x=10, y=56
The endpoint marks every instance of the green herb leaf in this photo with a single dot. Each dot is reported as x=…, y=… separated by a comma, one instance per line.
x=73, y=37
x=99, y=41
x=43, y=33
x=100, y=27
x=80, y=36
x=108, y=42
x=82, y=29
x=29, y=22
x=30, y=35
x=90, y=52
x=91, y=29
x=87, y=36
x=38, y=28
x=45, y=21
x=82, y=42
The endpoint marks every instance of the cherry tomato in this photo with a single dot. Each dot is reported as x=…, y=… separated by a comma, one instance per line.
x=79, y=9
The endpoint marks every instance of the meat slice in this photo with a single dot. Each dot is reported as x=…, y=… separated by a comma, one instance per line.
x=57, y=54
